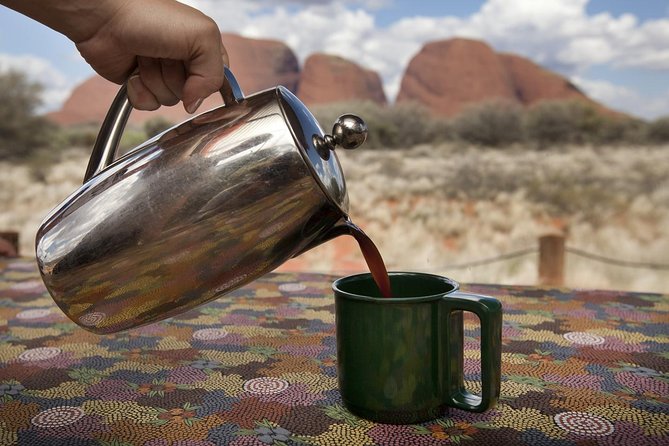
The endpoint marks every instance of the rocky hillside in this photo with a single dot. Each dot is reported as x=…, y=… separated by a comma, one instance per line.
x=449, y=75
x=445, y=76
x=327, y=79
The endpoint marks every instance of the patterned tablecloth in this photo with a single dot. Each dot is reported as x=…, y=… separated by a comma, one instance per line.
x=258, y=367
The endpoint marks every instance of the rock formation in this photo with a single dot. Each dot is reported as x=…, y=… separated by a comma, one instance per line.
x=259, y=64
x=327, y=78
x=533, y=83
x=450, y=74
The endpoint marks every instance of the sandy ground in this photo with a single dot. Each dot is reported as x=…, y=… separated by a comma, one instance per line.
x=433, y=208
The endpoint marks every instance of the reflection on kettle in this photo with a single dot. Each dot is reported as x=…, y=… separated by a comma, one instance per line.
x=195, y=212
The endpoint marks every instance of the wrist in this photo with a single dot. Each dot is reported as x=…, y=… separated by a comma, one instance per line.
x=78, y=20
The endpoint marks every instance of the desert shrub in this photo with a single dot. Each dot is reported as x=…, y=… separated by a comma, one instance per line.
x=156, y=125
x=22, y=132
x=589, y=122
x=399, y=126
x=84, y=136
x=658, y=130
x=40, y=162
x=493, y=123
x=76, y=137
x=549, y=123
x=577, y=122
x=621, y=130
x=413, y=124
x=131, y=138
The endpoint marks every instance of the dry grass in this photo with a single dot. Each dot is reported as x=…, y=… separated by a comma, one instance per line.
x=431, y=207
x=434, y=206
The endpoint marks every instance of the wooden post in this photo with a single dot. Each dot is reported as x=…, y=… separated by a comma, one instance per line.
x=9, y=243
x=551, y=260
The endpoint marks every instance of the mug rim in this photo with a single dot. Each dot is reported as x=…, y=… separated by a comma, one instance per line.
x=381, y=300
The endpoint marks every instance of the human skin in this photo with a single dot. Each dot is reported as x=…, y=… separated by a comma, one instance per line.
x=165, y=50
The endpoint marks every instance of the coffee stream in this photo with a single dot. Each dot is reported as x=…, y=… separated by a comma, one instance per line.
x=373, y=258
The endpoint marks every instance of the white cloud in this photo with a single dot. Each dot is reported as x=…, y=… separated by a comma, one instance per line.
x=624, y=98
x=56, y=86
x=561, y=35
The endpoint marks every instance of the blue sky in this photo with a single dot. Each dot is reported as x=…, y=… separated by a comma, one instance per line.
x=617, y=51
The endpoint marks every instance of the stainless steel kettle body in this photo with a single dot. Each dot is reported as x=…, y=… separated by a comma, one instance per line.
x=204, y=208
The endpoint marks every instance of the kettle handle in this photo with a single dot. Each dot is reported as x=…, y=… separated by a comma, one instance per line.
x=106, y=144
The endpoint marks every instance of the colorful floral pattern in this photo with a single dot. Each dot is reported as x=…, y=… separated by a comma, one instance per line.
x=258, y=367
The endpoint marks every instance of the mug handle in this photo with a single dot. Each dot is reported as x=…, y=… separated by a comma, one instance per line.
x=106, y=144
x=489, y=311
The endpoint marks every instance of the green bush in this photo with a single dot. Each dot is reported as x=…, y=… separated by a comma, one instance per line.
x=621, y=130
x=40, y=161
x=658, y=130
x=589, y=122
x=550, y=122
x=21, y=131
x=76, y=137
x=413, y=124
x=84, y=137
x=130, y=139
x=156, y=125
x=494, y=123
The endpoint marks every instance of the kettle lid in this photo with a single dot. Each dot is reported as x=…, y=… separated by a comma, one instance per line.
x=349, y=132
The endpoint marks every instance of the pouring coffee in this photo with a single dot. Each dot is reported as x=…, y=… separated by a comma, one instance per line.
x=196, y=212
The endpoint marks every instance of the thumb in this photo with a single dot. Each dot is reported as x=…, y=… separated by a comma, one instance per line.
x=204, y=75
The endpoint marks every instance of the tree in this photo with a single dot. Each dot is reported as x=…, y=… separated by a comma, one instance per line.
x=22, y=132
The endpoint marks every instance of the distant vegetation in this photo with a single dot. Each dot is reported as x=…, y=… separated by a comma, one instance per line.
x=27, y=136
x=21, y=131
x=24, y=135
x=498, y=123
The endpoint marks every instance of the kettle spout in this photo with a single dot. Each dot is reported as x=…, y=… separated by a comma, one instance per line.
x=342, y=227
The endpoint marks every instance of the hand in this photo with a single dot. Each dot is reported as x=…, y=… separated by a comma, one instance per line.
x=173, y=51
x=166, y=51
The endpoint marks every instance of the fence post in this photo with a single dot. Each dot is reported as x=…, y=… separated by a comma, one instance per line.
x=11, y=243
x=551, y=260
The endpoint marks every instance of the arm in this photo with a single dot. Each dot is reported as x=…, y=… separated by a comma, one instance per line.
x=167, y=51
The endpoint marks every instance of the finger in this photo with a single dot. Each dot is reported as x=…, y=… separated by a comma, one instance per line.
x=204, y=72
x=225, y=56
x=140, y=97
x=174, y=76
x=150, y=72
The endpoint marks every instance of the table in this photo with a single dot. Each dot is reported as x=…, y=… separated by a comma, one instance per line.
x=258, y=367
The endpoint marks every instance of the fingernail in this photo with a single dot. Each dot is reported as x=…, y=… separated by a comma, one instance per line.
x=141, y=98
x=135, y=82
x=190, y=108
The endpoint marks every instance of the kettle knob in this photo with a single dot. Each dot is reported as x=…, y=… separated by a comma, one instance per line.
x=349, y=132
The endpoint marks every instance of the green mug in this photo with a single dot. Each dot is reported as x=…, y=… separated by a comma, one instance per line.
x=400, y=359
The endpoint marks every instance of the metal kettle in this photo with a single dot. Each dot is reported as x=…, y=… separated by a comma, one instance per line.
x=206, y=207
